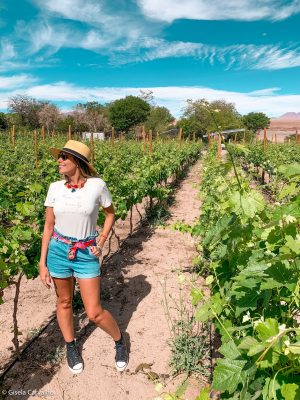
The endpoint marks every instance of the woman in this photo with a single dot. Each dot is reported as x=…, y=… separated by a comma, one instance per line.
x=69, y=247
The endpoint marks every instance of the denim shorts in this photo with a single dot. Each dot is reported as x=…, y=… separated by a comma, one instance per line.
x=84, y=265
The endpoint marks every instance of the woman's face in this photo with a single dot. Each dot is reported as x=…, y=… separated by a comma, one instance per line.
x=66, y=164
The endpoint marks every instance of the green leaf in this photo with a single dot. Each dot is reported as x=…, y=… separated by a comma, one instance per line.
x=230, y=350
x=197, y=295
x=267, y=329
x=249, y=203
x=247, y=342
x=293, y=244
x=228, y=374
x=290, y=391
x=209, y=280
x=252, y=345
x=289, y=170
x=204, y=394
x=269, y=389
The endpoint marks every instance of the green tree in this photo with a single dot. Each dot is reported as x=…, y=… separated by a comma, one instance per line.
x=255, y=121
x=3, y=121
x=201, y=116
x=158, y=119
x=126, y=113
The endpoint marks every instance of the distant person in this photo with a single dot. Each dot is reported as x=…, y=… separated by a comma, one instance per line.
x=70, y=248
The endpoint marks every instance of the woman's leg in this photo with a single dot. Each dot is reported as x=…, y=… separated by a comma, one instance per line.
x=90, y=294
x=64, y=291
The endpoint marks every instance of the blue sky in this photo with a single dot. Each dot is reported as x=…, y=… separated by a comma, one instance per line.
x=68, y=51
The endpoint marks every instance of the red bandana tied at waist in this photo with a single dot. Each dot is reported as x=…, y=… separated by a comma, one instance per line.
x=76, y=245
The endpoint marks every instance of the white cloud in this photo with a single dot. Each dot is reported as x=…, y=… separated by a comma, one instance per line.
x=16, y=81
x=7, y=50
x=266, y=100
x=78, y=10
x=245, y=10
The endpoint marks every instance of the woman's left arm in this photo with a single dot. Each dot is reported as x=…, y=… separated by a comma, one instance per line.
x=108, y=223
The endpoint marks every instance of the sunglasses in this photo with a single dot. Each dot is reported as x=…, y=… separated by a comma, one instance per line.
x=63, y=156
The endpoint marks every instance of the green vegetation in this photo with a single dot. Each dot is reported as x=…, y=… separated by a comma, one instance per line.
x=251, y=253
x=131, y=175
x=255, y=121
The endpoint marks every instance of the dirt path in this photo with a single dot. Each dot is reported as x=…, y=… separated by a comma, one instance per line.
x=132, y=290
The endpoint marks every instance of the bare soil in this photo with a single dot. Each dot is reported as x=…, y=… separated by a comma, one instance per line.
x=133, y=283
x=281, y=129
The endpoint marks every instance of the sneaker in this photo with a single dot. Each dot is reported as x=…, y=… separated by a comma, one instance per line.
x=121, y=358
x=75, y=361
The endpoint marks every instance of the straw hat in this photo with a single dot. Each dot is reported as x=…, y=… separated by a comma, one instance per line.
x=77, y=149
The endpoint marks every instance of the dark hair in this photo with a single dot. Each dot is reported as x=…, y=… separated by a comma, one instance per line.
x=83, y=168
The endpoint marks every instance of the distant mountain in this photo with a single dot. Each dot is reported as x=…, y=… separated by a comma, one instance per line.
x=290, y=115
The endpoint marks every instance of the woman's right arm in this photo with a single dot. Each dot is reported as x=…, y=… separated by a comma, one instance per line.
x=47, y=233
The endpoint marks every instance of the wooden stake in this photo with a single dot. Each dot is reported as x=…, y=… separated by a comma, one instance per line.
x=194, y=136
x=180, y=135
x=43, y=132
x=244, y=135
x=235, y=135
x=265, y=138
x=150, y=141
x=144, y=138
x=219, y=147
x=208, y=139
x=69, y=133
x=92, y=148
x=36, y=149
x=113, y=136
x=13, y=135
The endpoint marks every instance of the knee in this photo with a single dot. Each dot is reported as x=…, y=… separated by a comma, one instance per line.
x=95, y=315
x=64, y=302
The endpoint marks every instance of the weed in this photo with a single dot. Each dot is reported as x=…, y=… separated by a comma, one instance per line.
x=57, y=355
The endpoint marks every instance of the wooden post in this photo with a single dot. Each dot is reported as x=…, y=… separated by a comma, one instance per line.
x=208, y=139
x=13, y=135
x=92, y=148
x=69, y=133
x=113, y=136
x=244, y=139
x=144, y=138
x=219, y=147
x=180, y=135
x=43, y=132
x=36, y=149
x=194, y=136
x=150, y=141
x=265, y=138
x=235, y=137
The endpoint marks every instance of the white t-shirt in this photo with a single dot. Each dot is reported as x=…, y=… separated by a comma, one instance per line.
x=76, y=213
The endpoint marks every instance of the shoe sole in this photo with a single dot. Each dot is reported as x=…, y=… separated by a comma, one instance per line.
x=76, y=371
x=121, y=369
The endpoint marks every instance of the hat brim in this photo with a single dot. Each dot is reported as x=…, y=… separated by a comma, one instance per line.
x=54, y=151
